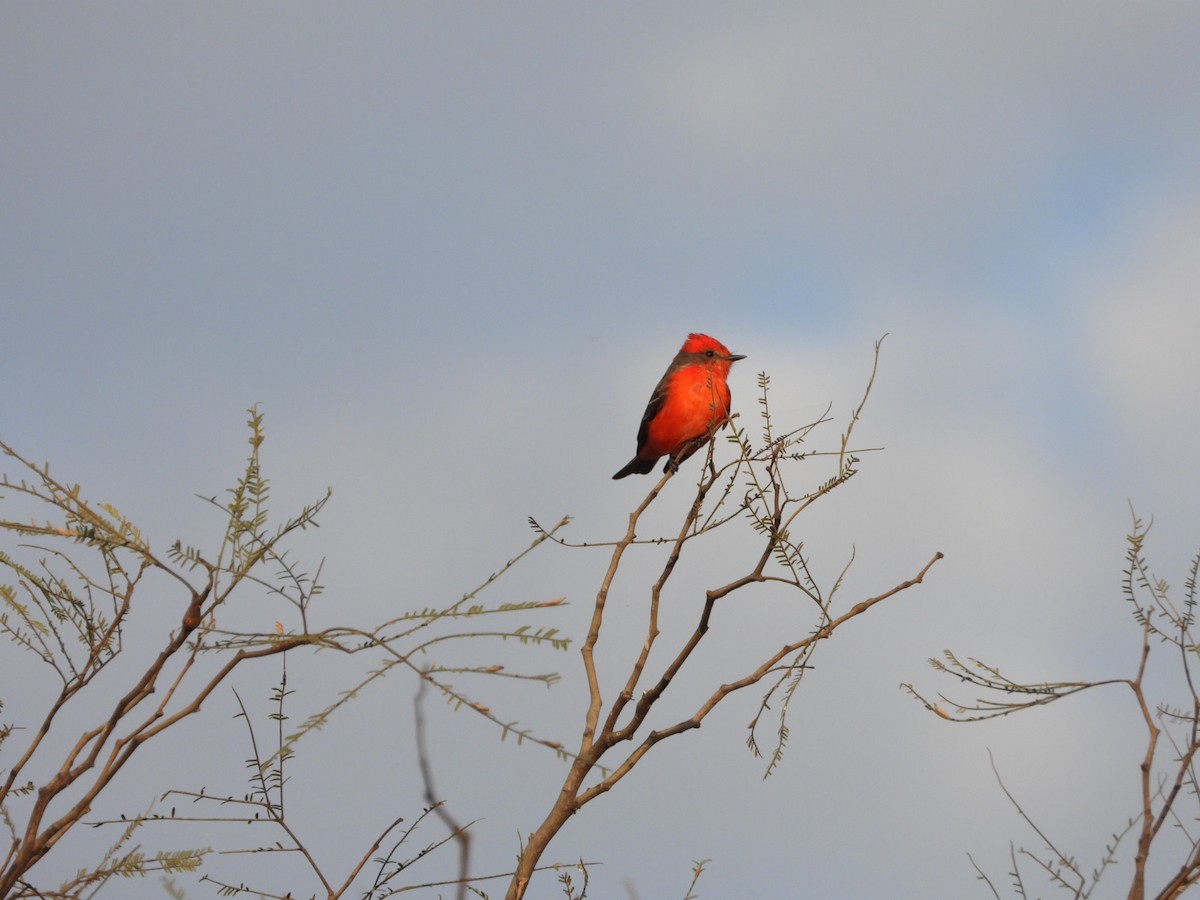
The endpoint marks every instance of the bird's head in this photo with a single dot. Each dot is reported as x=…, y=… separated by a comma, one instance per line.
x=705, y=349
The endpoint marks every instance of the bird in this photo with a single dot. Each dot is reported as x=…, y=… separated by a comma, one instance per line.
x=688, y=405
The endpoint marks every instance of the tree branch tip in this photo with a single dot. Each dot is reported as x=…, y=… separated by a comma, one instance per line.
x=938, y=711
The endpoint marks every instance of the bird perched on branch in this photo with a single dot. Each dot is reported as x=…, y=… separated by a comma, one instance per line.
x=688, y=406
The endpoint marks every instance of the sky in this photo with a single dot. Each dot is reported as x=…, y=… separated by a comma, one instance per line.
x=449, y=249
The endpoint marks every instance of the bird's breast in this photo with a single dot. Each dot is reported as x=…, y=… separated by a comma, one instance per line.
x=695, y=402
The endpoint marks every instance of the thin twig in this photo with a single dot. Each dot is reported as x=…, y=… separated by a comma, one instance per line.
x=457, y=831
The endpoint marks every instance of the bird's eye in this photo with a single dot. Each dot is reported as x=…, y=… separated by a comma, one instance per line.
x=708, y=353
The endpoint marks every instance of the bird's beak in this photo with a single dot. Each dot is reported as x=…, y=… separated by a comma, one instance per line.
x=734, y=357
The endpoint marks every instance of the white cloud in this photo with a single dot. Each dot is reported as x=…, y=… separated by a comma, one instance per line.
x=1143, y=320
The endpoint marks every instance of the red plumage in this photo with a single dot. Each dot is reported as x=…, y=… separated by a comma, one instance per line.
x=689, y=404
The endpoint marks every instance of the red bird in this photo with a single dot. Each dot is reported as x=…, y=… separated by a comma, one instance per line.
x=687, y=407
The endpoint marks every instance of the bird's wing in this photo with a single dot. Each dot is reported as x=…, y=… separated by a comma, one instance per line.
x=657, y=399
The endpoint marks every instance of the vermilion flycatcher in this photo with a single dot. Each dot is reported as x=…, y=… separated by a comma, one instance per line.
x=687, y=407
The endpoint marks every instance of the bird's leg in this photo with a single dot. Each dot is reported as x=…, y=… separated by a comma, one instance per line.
x=676, y=460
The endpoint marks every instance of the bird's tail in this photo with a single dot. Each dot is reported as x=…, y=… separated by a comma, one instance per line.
x=636, y=465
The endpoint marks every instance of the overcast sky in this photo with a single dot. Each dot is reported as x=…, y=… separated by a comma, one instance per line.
x=450, y=248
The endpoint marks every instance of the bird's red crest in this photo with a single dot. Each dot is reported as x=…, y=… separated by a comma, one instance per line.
x=698, y=343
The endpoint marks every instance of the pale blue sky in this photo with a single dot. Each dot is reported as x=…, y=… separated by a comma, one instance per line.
x=450, y=248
